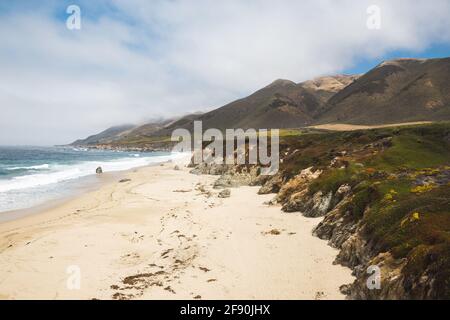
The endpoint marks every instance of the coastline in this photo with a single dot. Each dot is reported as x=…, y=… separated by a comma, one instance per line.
x=84, y=185
x=165, y=234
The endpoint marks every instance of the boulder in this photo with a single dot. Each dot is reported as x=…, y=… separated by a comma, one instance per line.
x=272, y=184
x=225, y=193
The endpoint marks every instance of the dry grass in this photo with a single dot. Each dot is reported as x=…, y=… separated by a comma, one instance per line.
x=353, y=127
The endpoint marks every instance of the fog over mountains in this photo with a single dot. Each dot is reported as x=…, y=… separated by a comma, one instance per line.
x=395, y=91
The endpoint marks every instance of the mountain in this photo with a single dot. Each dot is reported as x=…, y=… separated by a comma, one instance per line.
x=282, y=104
x=183, y=122
x=400, y=90
x=146, y=130
x=106, y=136
x=129, y=134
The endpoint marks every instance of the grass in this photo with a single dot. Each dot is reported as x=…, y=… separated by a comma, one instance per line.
x=142, y=141
x=333, y=179
x=416, y=227
x=412, y=152
x=363, y=197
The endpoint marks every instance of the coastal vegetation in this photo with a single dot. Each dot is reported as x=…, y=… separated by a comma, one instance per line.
x=385, y=198
x=399, y=201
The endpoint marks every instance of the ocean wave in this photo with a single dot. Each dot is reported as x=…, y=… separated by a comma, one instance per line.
x=60, y=173
x=38, y=167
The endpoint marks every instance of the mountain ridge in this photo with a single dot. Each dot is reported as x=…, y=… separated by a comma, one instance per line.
x=395, y=91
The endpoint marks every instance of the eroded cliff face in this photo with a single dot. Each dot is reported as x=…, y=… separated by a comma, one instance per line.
x=371, y=214
x=338, y=227
x=347, y=234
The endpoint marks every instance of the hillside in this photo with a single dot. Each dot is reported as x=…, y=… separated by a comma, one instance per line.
x=397, y=91
x=131, y=134
x=282, y=104
x=401, y=90
x=107, y=136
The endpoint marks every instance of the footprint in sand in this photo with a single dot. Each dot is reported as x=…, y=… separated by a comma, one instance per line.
x=130, y=258
x=134, y=237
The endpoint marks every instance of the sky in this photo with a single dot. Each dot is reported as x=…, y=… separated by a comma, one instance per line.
x=136, y=60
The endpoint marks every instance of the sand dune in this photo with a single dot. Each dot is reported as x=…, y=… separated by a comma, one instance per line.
x=166, y=235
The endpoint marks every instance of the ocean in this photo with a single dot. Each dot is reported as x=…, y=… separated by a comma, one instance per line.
x=30, y=176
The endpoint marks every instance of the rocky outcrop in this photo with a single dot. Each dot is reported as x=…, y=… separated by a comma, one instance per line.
x=231, y=176
x=236, y=178
x=336, y=227
x=340, y=227
x=345, y=233
x=296, y=185
x=395, y=283
x=213, y=169
x=295, y=195
x=272, y=184
x=391, y=280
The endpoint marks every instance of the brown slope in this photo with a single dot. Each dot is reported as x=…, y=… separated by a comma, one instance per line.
x=157, y=128
x=106, y=136
x=400, y=90
x=282, y=104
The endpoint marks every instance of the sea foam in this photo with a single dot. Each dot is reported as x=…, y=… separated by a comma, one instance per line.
x=59, y=173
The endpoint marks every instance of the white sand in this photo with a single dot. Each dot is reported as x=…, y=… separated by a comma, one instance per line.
x=177, y=245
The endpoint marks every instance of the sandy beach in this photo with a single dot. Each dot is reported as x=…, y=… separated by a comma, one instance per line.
x=165, y=234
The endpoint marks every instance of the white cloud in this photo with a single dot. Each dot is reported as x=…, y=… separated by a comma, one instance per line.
x=150, y=58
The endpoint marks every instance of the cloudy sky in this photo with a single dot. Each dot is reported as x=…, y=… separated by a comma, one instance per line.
x=133, y=60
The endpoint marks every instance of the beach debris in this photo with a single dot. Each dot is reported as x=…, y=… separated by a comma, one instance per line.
x=319, y=295
x=99, y=170
x=176, y=167
x=168, y=288
x=204, y=269
x=225, y=193
x=345, y=289
x=198, y=297
x=165, y=253
x=182, y=190
x=203, y=190
x=273, y=232
x=124, y=180
x=121, y=296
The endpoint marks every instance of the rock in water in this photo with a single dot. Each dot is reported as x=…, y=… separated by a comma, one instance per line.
x=99, y=170
x=225, y=193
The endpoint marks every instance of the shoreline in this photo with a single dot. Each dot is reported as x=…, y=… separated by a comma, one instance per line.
x=166, y=235
x=82, y=186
